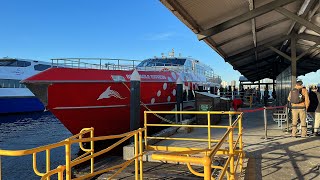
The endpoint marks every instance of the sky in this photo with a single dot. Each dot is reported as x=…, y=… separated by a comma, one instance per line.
x=126, y=29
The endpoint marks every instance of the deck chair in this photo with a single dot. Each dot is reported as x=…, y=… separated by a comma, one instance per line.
x=280, y=116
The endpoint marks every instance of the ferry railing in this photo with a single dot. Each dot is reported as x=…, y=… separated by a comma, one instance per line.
x=183, y=154
x=96, y=63
x=89, y=154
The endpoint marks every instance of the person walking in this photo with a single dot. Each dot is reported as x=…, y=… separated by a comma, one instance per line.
x=316, y=124
x=299, y=99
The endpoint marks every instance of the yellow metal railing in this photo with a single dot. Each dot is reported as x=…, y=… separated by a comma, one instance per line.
x=183, y=154
x=89, y=154
x=234, y=151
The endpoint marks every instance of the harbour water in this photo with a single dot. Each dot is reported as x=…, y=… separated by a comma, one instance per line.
x=25, y=131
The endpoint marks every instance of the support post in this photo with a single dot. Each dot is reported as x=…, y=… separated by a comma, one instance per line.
x=134, y=101
x=293, y=61
x=265, y=123
x=179, y=97
x=287, y=118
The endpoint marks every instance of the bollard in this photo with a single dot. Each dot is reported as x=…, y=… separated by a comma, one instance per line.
x=265, y=123
x=212, y=89
x=200, y=87
x=134, y=101
x=179, y=98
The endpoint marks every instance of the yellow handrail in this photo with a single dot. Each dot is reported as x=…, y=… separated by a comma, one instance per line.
x=234, y=151
x=183, y=156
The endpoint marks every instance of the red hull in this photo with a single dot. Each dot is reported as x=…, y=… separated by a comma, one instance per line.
x=84, y=99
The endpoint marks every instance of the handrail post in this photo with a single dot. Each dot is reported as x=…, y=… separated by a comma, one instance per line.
x=231, y=154
x=265, y=123
x=209, y=130
x=136, y=168
x=207, y=168
x=140, y=153
x=0, y=169
x=92, y=149
x=68, y=159
x=240, y=143
x=48, y=162
x=145, y=131
x=230, y=119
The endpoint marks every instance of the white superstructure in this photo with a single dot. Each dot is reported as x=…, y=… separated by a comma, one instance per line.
x=13, y=70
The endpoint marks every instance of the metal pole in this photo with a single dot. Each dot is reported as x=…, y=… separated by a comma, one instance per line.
x=287, y=119
x=0, y=169
x=179, y=97
x=265, y=123
x=135, y=101
x=293, y=61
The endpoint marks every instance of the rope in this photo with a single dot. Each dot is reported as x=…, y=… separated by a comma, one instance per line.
x=158, y=116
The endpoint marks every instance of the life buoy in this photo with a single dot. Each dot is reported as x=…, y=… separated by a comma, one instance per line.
x=164, y=69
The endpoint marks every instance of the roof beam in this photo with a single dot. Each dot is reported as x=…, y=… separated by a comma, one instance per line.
x=280, y=53
x=249, y=33
x=270, y=42
x=309, y=37
x=298, y=19
x=256, y=62
x=243, y=18
x=315, y=46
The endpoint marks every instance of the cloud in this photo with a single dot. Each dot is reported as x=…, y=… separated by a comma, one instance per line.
x=159, y=36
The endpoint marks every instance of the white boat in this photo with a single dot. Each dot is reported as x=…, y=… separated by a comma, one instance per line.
x=14, y=96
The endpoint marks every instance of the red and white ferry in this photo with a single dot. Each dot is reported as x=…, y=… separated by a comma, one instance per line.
x=81, y=96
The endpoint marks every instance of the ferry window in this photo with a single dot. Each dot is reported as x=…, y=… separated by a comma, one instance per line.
x=14, y=63
x=41, y=67
x=23, y=63
x=162, y=62
x=11, y=83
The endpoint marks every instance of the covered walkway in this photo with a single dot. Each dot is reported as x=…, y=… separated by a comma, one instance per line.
x=259, y=38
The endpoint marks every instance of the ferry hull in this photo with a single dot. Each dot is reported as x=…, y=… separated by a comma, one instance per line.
x=105, y=121
x=84, y=99
x=20, y=105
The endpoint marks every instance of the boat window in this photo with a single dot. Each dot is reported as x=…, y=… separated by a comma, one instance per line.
x=41, y=67
x=14, y=63
x=11, y=83
x=162, y=62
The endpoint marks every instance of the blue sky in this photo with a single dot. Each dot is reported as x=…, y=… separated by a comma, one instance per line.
x=45, y=29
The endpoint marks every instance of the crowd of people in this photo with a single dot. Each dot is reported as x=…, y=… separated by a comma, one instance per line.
x=301, y=102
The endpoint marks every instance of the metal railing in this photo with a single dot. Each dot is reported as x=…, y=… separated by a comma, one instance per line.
x=183, y=154
x=234, y=152
x=96, y=63
x=65, y=171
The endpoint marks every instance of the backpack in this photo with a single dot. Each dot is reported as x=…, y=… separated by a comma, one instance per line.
x=296, y=96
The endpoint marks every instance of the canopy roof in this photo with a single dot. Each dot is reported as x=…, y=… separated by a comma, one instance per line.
x=255, y=36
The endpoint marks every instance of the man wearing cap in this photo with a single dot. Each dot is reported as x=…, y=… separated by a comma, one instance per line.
x=316, y=124
x=299, y=99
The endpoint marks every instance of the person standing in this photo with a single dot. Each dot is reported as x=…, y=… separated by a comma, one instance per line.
x=316, y=124
x=299, y=99
x=313, y=101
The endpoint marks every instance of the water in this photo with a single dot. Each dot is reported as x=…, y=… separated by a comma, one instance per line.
x=25, y=131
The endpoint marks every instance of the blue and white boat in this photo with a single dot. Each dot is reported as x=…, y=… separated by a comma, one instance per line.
x=14, y=96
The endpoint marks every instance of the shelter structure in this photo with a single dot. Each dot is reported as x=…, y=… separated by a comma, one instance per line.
x=259, y=38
